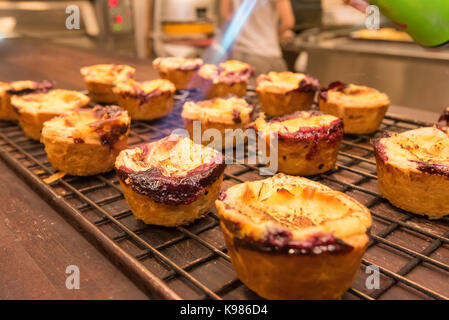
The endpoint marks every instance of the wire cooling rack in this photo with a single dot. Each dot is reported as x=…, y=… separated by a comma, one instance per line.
x=191, y=262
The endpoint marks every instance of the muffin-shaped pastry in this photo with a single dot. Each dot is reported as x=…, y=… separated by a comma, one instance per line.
x=307, y=141
x=361, y=108
x=170, y=182
x=230, y=77
x=100, y=79
x=36, y=108
x=180, y=71
x=282, y=93
x=19, y=88
x=220, y=114
x=293, y=238
x=86, y=141
x=445, y=116
x=413, y=170
x=146, y=100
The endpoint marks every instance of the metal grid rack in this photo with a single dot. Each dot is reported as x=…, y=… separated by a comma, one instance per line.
x=191, y=262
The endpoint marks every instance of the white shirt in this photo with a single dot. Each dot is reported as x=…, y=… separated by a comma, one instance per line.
x=259, y=35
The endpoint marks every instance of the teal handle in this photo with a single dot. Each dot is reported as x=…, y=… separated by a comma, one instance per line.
x=426, y=21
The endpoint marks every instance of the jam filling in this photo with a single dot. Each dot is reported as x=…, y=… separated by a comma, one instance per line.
x=432, y=168
x=309, y=84
x=445, y=116
x=181, y=190
x=379, y=148
x=109, y=131
x=144, y=96
x=39, y=87
x=232, y=77
x=335, y=86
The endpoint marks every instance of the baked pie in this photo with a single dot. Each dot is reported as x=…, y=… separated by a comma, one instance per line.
x=413, y=170
x=19, y=88
x=86, y=141
x=34, y=109
x=282, y=93
x=180, y=71
x=307, y=141
x=361, y=108
x=146, y=100
x=100, y=79
x=220, y=114
x=445, y=116
x=170, y=182
x=230, y=77
x=292, y=238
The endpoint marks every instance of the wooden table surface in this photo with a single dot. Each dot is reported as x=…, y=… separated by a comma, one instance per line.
x=36, y=242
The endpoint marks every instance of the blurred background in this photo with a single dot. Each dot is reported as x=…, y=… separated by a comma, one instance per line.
x=324, y=40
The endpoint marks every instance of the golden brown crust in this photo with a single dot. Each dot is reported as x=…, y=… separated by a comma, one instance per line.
x=34, y=109
x=86, y=141
x=282, y=93
x=171, y=181
x=146, y=100
x=307, y=143
x=179, y=71
x=292, y=238
x=413, y=170
x=230, y=77
x=361, y=108
x=100, y=80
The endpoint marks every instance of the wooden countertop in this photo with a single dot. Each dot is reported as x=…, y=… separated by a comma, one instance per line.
x=36, y=242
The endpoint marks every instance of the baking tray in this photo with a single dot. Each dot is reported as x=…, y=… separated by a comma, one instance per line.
x=191, y=262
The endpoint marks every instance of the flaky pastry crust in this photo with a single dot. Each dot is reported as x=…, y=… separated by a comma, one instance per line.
x=293, y=238
x=100, y=80
x=179, y=71
x=307, y=141
x=228, y=78
x=170, y=182
x=218, y=113
x=85, y=142
x=282, y=93
x=146, y=100
x=413, y=170
x=34, y=109
x=361, y=108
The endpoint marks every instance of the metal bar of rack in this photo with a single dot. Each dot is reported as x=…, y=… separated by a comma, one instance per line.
x=410, y=251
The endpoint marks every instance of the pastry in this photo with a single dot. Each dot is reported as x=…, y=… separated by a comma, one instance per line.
x=86, y=141
x=307, y=141
x=146, y=100
x=180, y=71
x=170, y=182
x=292, y=238
x=220, y=114
x=282, y=93
x=413, y=170
x=34, y=109
x=361, y=108
x=100, y=79
x=230, y=77
x=19, y=88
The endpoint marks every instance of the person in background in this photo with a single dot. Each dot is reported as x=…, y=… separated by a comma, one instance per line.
x=258, y=43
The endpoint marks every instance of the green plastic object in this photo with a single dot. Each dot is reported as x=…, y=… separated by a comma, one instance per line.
x=426, y=21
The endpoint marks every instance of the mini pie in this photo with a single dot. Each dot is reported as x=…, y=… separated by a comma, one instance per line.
x=308, y=141
x=230, y=77
x=100, y=79
x=283, y=93
x=180, y=71
x=19, y=88
x=170, y=182
x=36, y=108
x=445, y=116
x=146, y=100
x=292, y=238
x=361, y=108
x=413, y=170
x=86, y=141
x=231, y=113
